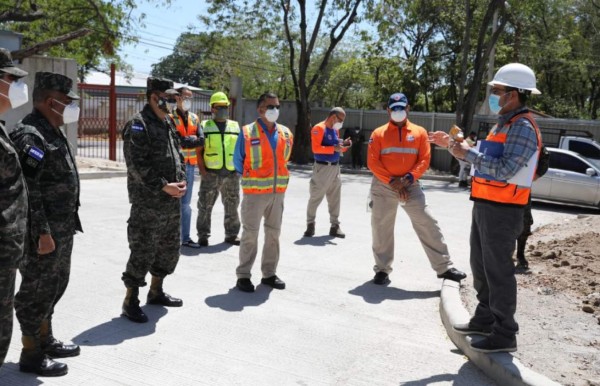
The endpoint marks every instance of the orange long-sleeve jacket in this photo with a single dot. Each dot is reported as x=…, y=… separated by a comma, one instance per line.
x=394, y=151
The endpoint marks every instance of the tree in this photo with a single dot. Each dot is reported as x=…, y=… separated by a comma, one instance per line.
x=210, y=59
x=332, y=19
x=88, y=31
x=486, y=41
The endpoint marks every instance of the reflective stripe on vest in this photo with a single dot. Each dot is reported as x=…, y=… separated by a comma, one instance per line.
x=219, y=146
x=405, y=150
x=264, y=173
x=189, y=155
x=498, y=191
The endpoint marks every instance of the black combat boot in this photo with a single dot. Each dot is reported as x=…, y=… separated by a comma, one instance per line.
x=310, y=230
x=335, y=231
x=157, y=296
x=33, y=360
x=522, y=264
x=53, y=347
x=131, y=306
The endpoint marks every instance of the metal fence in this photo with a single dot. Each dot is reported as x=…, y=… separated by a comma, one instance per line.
x=93, y=134
x=93, y=131
x=552, y=128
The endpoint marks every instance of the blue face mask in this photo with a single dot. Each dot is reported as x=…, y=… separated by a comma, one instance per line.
x=494, y=103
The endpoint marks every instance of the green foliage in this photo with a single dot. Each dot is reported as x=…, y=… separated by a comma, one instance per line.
x=99, y=28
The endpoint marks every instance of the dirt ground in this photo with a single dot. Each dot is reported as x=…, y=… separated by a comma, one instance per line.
x=558, y=307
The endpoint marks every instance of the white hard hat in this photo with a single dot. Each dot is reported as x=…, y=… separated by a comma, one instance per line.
x=516, y=75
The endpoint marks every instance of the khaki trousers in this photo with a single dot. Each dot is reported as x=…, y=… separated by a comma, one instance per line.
x=325, y=182
x=383, y=218
x=254, y=208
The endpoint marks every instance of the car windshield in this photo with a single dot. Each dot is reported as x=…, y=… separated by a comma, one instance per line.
x=595, y=162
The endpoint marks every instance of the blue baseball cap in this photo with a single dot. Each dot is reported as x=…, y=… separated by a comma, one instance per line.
x=397, y=99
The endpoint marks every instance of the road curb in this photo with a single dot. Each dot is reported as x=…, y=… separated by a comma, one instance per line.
x=97, y=174
x=501, y=367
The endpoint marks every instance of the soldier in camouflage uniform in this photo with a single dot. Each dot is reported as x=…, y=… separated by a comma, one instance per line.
x=53, y=201
x=13, y=200
x=218, y=173
x=156, y=183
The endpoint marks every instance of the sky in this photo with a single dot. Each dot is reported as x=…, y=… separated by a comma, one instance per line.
x=163, y=25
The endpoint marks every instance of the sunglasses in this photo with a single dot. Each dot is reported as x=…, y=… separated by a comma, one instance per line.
x=221, y=107
x=271, y=107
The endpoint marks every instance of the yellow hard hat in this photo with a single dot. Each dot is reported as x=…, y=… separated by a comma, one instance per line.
x=219, y=97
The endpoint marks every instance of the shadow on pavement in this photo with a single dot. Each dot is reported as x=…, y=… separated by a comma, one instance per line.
x=119, y=329
x=317, y=241
x=463, y=377
x=376, y=294
x=10, y=375
x=235, y=300
x=211, y=249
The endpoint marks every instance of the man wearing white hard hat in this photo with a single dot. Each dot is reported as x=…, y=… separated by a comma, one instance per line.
x=500, y=192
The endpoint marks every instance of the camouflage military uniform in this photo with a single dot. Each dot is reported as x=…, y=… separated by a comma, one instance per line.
x=13, y=223
x=153, y=159
x=54, y=201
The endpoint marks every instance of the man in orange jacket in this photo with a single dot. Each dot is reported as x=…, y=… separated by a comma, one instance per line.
x=192, y=140
x=326, y=181
x=398, y=155
x=261, y=155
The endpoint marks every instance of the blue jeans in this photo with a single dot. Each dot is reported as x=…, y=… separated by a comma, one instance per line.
x=186, y=209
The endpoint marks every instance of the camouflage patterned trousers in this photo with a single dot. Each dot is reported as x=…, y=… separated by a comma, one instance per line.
x=154, y=233
x=44, y=279
x=7, y=299
x=211, y=185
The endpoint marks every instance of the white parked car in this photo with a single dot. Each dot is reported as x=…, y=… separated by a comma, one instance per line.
x=571, y=178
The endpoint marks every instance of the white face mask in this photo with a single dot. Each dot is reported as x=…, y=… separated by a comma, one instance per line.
x=186, y=105
x=398, y=115
x=338, y=125
x=18, y=93
x=70, y=113
x=272, y=115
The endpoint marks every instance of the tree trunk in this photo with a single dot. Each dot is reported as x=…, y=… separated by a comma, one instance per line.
x=301, y=149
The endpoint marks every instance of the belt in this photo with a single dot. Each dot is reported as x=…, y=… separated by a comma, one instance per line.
x=327, y=163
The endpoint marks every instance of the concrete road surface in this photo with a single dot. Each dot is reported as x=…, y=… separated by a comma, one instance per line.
x=331, y=326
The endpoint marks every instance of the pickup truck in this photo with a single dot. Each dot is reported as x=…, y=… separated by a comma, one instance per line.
x=586, y=147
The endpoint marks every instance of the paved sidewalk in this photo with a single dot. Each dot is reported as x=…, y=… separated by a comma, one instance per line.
x=331, y=326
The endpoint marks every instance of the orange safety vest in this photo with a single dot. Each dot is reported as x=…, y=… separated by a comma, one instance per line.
x=498, y=191
x=264, y=173
x=189, y=155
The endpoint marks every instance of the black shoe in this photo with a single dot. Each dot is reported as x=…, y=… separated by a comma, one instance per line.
x=453, y=274
x=133, y=312
x=54, y=348
x=42, y=365
x=310, y=230
x=245, y=285
x=472, y=329
x=233, y=240
x=190, y=244
x=163, y=299
x=274, y=282
x=335, y=231
x=381, y=278
x=203, y=242
x=488, y=345
x=463, y=184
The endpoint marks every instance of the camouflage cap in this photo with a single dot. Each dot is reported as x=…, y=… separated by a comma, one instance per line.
x=52, y=81
x=160, y=84
x=7, y=65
